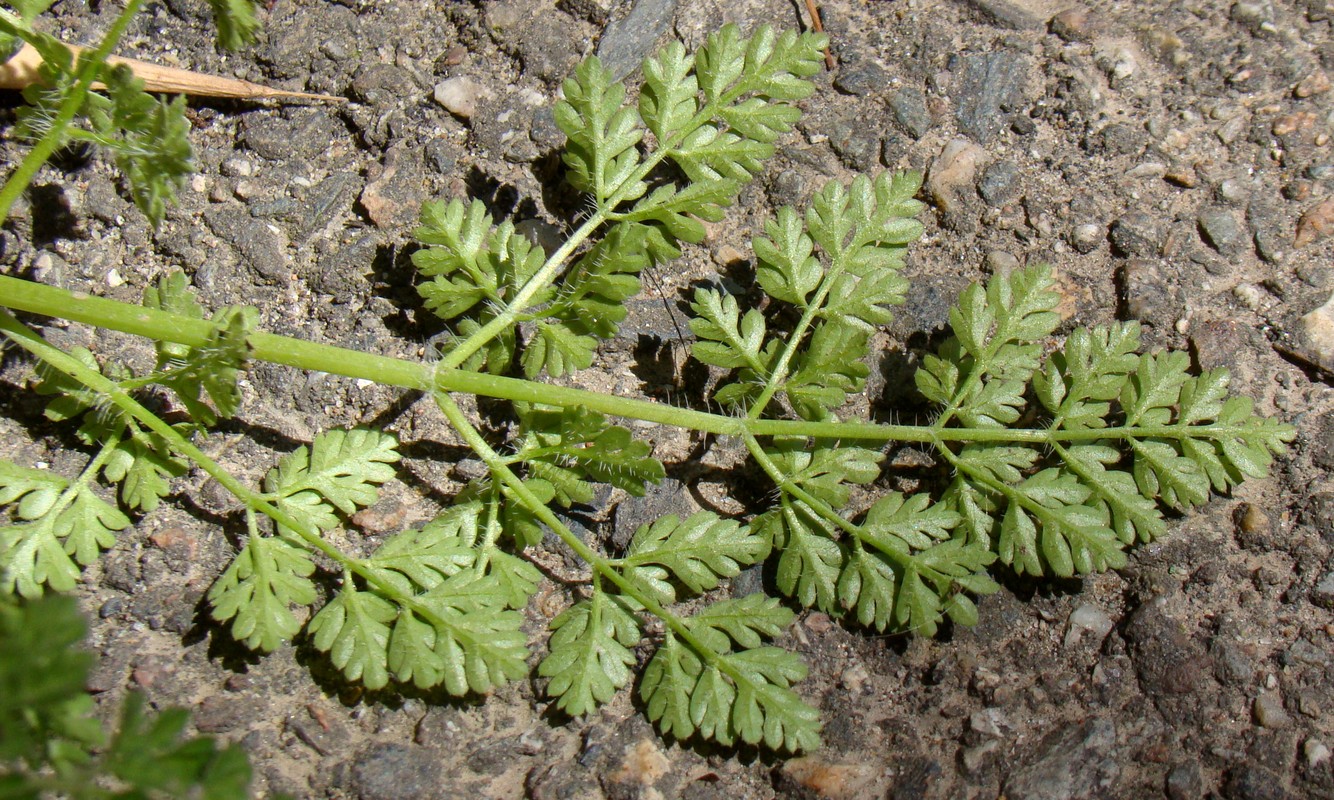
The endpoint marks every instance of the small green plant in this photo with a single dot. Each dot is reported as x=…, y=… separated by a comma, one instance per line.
x=1061, y=455
x=51, y=744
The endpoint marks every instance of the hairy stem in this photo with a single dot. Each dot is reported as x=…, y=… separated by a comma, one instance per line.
x=45, y=147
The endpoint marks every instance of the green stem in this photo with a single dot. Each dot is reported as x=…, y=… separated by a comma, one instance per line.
x=41, y=152
x=163, y=326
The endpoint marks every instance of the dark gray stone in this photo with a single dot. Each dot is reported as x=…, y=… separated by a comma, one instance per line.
x=263, y=250
x=1250, y=782
x=991, y=87
x=1118, y=139
x=397, y=772
x=861, y=78
x=301, y=133
x=856, y=143
x=1185, y=781
x=1323, y=592
x=1137, y=234
x=998, y=182
x=1221, y=230
x=551, y=48
x=1074, y=762
x=1006, y=14
x=910, y=112
x=626, y=42
x=383, y=85
x=669, y=496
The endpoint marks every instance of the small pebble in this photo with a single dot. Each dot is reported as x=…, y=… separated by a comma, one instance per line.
x=459, y=96
x=1315, y=224
x=1087, y=236
x=1315, y=83
x=1087, y=618
x=1316, y=752
x=1269, y=711
x=1000, y=262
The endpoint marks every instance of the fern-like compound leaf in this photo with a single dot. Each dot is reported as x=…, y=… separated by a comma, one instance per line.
x=353, y=629
x=601, y=133
x=668, y=681
x=340, y=472
x=421, y=559
x=809, y=560
x=740, y=623
x=699, y=551
x=258, y=589
x=590, y=654
x=474, y=641
x=764, y=710
x=572, y=448
x=143, y=472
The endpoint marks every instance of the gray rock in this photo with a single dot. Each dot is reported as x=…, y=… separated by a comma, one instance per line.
x=861, y=78
x=1137, y=234
x=397, y=772
x=1006, y=14
x=1185, y=781
x=1086, y=237
x=1268, y=711
x=909, y=108
x=1323, y=592
x=595, y=11
x=261, y=247
x=626, y=42
x=1221, y=230
x=1074, y=762
x=1251, y=782
x=788, y=188
x=856, y=143
x=669, y=496
x=551, y=46
x=997, y=184
x=301, y=133
x=992, y=86
x=383, y=85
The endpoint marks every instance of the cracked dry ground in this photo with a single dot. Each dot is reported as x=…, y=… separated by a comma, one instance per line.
x=1173, y=161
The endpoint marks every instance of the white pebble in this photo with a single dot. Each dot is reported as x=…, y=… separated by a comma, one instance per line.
x=460, y=96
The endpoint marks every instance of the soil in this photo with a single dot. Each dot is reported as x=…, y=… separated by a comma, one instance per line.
x=1172, y=161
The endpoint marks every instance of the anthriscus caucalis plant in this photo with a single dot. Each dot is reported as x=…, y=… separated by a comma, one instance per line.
x=1062, y=455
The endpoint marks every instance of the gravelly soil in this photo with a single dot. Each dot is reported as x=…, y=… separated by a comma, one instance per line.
x=1171, y=160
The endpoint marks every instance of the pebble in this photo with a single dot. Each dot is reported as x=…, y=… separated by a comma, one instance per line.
x=1316, y=223
x=626, y=42
x=1137, y=234
x=1316, y=83
x=1317, y=335
x=861, y=78
x=1315, y=751
x=397, y=772
x=1323, y=592
x=1221, y=230
x=819, y=777
x=1074, y=761
x=910, y=112
x=998, y=182
x=992, y=85
x=1087, y=618
x=1086, y=237
x=460, y=96
x=1072, y=25
x=1007, y=14
x=1000, y=262
x=1185, y=781
x=1268, y=711
x=952, y=171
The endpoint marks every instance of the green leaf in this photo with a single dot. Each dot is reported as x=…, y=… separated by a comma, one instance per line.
x=826, y=470
x=148, y=137
x=1133, y=516
x=764, y=709
x=149, y=754
x=338, y=473
x=699, y=551
x=743, y=621
x=236, y=21
x=728, y=340
x=668, y=681
x=601, y=133
x=35, y=490
x=571, y=446
x=1078, y=383
x=1154, y=388
x=470, y=643
x=50, y=549
x=1162, y=472
x=809, y=561
x=829, y=369
x=558, y=350
x=667, y=99
x=590, y=654
x=353, y=629
x=786, y=268
x=259, y=587
x=144, y=473
x=421, y=559
x=912, y=523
